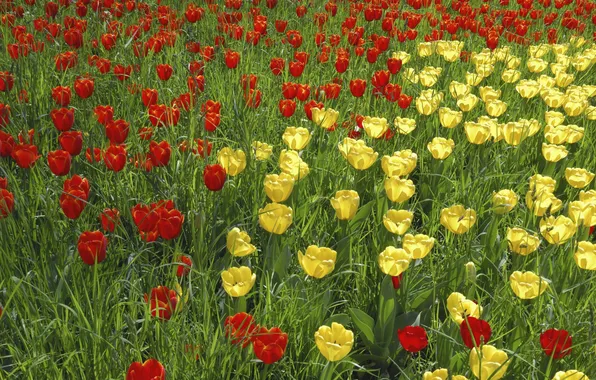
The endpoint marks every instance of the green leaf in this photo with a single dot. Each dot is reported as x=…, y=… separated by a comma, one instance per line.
x=343, y=319
x=364, y=323
x=385, y=327
x=361, y=215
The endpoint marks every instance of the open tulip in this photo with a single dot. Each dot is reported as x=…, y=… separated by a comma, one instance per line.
x=449, y=118
x=317, y=262
x=440, y=147
x=585, y=255
x=394, y=261
x=358, y=154
x=275, y=218
x=398, y=221
x=457, y=219
x=556, y=343
x=404, y=125
x=240, y=328
x=234, y=162
x=413, y=338
x=554, y=153
x=296, y=138
x=150, y=369
x=522, y=242
x=488, y=362
x=504, y=201
x=375, y=127
x=262, y=150
x=527, y=285
x=238, y=243
x=398, y=189
x=334, y=342
x=291, y=163
x=237, y=282
x=279, y=187
x=460, y=307
x=570, y=375
x=578, y=177
x=269, y=345
x=557, y=230
x=400, y=164
x=582, y=213
x=324, y=117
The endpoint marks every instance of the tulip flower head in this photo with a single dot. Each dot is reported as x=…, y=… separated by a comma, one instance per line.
x=334, y=342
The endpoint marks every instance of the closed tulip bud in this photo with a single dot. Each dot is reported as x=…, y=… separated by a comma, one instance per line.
x=345, y=203
x=234, y=162
x=317, y=262
x=291, y=163
x=404, y=125
x=585, y=255
x=394, y=261
x=238, y=243
x=296, y=138
x=237, y=282
x=488, y=362
x=504, y=201
x=440, y=148
x=527, y=285
x=398, y=221
x=334, y=342
x=358, y=154
x=460, y=307
x=275, y=218
x=399, y=190
x=578, y=177
x=557, y=230
x=449, y=118
x=554, y=153
x=470, y=271
x=477, y=133
x=325, y=118
x=467, y=103
x=262, y=150
x=458, y=219
x=510, y=76
x=522, y=242
x=419, y=246
x=582, y=213
x=401, y=163
x=375, y=127
x=279, y=187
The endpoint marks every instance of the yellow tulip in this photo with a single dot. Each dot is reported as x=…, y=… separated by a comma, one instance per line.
x=325, y=118
x=477, y=133
x=458, y=219
x=515, y=132
x=540, y=183
x=234, y=162
x=460, y=307
x=291, y=163
x=419, y=246
x=558, y=68
x=538, y=51
x=488, y=362
x=554, y=153
x=578, y=177
x=375, y=127
x=543, y=201
x=400, y=163
x=398, y=221
x=527, y=88
x=557, y=230
x=399, y=190
x=404, y=125
x=585, y=256
x=575, y=134
x=496, y=108
x=587, y=196
x=570, y=375
x=554, y=118
x=521, y=241
x=536, y=65
x=582, y=213
x=564, y=79
x=546, y=82
x=428, y=101
x=440, y=147
x=425, y=49
x=457, y=89
x=439, y=374
x=238, y=243
x=410, y=75
x=577, y=41
x=556, y=135
x=488, y=94
x=467, y=103
x=527, y=285
x=563, y=59
x=278, y=187
x=429, y=76
x=553, y=98
x=275, y=218
x=317, y=262
x=590, y=113
x=237, y=282
x=334, y=342
x=401, y=55
x=358, y=154
x=449, y=118
x=346, y=204
x=296, y=138
x=504, y=201
x=394, y=261
x=262, y=150
x=484, y=69
x=581, y=62
x=513, y=62
x=558, y=48
x=575, y=107
x=510, y=76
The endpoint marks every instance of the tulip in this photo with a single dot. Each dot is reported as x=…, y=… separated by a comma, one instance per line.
x=317, y=262
x=237, y=282
x=115, y=157
x=117, y=131
x=240, y=328
x=162, y=302
x=504, y=201
x=232, y=59
x=214, y=177
x=440, y=148
x=510, y=76
x=61, y=95
x=522, y=242
x=262, y=150
x=275, y=218
x=291, y=163
x=570, y=375
x=582, y=213
x=527, y=88
x=159, y=153
x=429, y=76
x=62, y=118
x=474, y=332
x=234, y=162
x=346, y=204
x=439, y=374
x=325, y=118
x=457, y=219
x=489, y=94
x=150, y=369
x=6, y=203
x=296, y=138
x=358, y=154
x=375, y=127
x=92, y=246
x=449, y=118
x=477, y=133
x=554, y=153
x=357, y=87
x=460, y=307
x=578, y=177
x=398, y=221
x=541, y=202
x=556, y=343
x=585, y=255
x=334, y=342
x=25, y=155
x=527, y=285
x=238, y=243
x=401, y=163
x=404, y=125
x=279, y=187
x=110, y=219
x=394, y=261
x=398, y=189
x=457, y=89
x=269, y=345
x=412, y=338
x=488, y=362
x=59, y=162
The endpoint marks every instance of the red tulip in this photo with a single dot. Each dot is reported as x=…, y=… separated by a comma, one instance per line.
x=396, y=281
x=288, y=90
x=280, y=25
x=277, y=66
x=170, y=223
x=6, y=203
x=214, y=176
x=73, y=38
x=65, y=61
x=380, y=78
x=556, y=343
x=269, y=345
x=145, y=218
x=232, y=58
x=296, y=68
x=92, y=246
x=63, y=118
x=59, y=162
x=357, y=87
x=104, y=65
x=72, y=142
x=25, y=155
x=474, y=332
x=115, y=157
x=287, y=107
x=151, y=369
x=3, y=183
x=76, y=182
x=7, y=144
x=301, y=11
x=117, y=131
x=412, y=338
x=104, y=114
x=212, y=120
x=73, y=203
x=394, y=65
x=164, y=71
x=302, y=92
x=392, y=92
x=6, y=81
x=201, y=147
x=122, y=72
x=160, y=153
x=110, y=219
x=249, y=81
x=162, y=303
x=4, y=115
x=240, y=328
x=251, y=97
x=183, y=268
x=404, y=101
x=84, y=87
x=61, y=95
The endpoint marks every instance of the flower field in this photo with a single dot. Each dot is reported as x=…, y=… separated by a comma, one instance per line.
x=286, y=189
